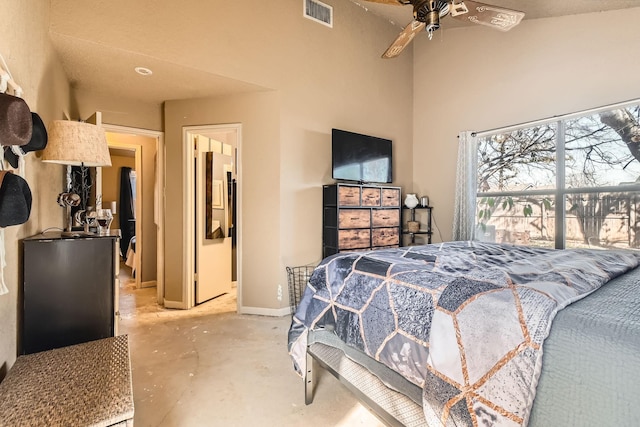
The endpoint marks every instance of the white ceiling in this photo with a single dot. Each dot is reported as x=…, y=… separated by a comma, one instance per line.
x=85, y=52
x=85, y=60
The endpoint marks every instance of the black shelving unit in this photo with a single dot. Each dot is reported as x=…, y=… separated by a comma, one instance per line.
x=425, y=226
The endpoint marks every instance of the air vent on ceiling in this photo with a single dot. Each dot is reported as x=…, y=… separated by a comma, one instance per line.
x=319, y=12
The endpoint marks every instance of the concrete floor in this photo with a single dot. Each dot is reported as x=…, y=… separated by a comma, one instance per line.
x=210, y=366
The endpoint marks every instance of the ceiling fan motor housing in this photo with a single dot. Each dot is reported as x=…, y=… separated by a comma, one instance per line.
x=429, y=12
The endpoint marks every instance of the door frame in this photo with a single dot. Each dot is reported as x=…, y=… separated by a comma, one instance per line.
x=159, y=197
x=189, y=225
x=137, y=149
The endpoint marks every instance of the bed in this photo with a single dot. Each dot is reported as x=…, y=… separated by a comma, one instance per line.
x=453, y=334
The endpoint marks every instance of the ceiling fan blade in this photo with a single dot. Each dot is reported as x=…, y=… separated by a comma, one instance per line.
x=404, y=39
x=485, y=14
x=394, y=2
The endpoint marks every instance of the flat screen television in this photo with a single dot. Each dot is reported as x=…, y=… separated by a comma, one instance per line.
x=360, y=158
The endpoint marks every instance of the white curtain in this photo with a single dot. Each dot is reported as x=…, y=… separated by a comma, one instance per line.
x=464, y=214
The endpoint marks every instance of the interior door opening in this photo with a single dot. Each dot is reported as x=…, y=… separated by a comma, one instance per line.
x=213, y=269
x=212, y=209
x=140, y=151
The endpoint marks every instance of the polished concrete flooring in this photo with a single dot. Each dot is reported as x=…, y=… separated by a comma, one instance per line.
x=210, y=366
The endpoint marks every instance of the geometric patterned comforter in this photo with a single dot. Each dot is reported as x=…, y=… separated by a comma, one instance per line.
x=465, y=321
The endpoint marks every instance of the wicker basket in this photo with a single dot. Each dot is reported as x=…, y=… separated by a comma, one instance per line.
x=297, y=278
x=413, y=226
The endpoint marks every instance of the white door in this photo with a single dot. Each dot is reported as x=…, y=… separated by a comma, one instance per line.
x=212, y=242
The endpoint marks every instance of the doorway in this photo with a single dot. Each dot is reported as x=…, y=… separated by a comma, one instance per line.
x=145, y=151
x=120, y=187
x=227, y=139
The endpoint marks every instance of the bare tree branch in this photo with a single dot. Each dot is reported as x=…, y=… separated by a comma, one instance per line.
x=625, y=125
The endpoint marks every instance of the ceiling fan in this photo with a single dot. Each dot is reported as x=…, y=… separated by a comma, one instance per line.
x=427, y=15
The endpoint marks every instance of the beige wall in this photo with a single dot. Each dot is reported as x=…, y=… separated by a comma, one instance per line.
x=260, y=200
x=481, y=79
x=317, y=78
x=119, y=110
x=26, y=48
x=335, y=79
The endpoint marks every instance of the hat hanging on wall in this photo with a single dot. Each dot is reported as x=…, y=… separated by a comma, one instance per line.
x=16, y=124
x=15, y=199
x=37, y=142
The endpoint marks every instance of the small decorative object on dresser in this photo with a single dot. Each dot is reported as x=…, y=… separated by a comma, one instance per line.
x=424, y=201
x=411, y=201
x=104, y=218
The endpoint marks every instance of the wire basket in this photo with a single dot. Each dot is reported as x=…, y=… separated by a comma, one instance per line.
x=297, y=278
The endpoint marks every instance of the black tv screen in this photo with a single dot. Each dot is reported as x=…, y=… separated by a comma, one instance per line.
x=361, y=158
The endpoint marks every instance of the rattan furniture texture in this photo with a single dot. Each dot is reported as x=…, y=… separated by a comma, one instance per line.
x=87, y=384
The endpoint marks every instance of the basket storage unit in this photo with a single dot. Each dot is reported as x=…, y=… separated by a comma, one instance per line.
x=297, y=278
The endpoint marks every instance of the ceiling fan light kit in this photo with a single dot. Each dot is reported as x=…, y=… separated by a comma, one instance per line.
x=427, y=15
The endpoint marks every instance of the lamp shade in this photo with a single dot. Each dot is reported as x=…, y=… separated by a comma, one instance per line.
x=76, y=144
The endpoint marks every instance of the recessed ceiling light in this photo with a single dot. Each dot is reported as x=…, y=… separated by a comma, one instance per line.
x=143, y=71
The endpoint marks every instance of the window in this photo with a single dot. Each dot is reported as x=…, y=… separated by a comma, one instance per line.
x=573, y=182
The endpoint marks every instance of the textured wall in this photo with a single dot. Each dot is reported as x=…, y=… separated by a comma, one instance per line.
x=25, y=45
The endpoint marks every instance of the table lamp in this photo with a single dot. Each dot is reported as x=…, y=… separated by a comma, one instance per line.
x=76, y=144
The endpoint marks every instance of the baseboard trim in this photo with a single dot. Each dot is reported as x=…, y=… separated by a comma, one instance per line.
x=149, y=284
x=273, y=312
x=174, y=304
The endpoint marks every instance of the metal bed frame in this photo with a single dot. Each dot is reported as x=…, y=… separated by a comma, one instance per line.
x=390, y=406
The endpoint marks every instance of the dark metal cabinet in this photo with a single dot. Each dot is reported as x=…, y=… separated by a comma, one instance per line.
x=69, y=291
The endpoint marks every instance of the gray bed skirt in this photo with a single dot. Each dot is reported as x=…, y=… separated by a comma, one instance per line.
x=590, y=369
